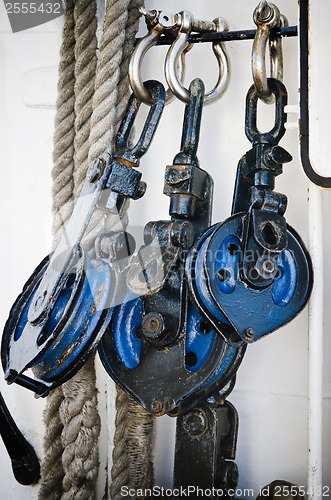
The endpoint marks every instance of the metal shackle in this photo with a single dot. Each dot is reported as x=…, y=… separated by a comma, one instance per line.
x=266, y=17
x=161, y=22
x=178, y=48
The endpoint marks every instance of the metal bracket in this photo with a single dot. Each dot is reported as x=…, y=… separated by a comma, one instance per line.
x=206, y=440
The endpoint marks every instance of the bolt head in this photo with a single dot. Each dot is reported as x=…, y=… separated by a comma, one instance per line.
x=195, y=422
x=156, y=406
x=228, y=475
x=249, y=333
x=153, y=326
x=266, y=267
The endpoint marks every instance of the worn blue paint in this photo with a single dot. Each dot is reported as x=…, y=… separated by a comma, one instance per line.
x=284, y=286
x=127, y=318
x=227, y=260
x=200, y=343
x=80, y=327
x=201, y=282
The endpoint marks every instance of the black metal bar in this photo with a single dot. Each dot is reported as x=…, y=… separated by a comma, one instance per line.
x=314, y=176
x=23, y=457
x=228, y=36
x=33, y=385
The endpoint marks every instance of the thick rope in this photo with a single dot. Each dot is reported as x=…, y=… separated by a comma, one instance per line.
x=104, y=118
x=139, y=445
x=85, y=68
x=131, y=29
x=104, y=122
x=80, y=424
x=108, y=76
x=80, y=435
x=63, y=152
x=78, y=411
x=62, y=175
x=120, y=473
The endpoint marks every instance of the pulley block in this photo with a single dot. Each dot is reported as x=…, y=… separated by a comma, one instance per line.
x=158, y=346
x=68, y=301
x=163, y=374
x=215, y=270
x=252, y=273
x=58, y=346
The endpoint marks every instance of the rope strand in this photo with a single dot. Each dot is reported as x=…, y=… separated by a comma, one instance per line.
x=63, y=152
x=80, y=434
x=62, y=191
x=91, y=101
x=85, y=68
x=78, y=410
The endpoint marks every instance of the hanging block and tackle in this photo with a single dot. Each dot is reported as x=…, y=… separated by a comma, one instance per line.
x=67, y=303
x=158, y=346
x=251, y=274
x=171, y=320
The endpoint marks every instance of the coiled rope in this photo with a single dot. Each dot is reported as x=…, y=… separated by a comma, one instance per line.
x=70, y=467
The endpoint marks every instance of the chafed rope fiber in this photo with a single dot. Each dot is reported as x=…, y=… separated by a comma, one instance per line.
x=70, y=467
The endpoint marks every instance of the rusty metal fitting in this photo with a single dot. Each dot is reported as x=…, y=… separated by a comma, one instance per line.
x=195, y=422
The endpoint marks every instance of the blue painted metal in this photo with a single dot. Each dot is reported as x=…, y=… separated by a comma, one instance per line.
x=197, y=279
x=200, y=339
x=195, y=271
x=77, y=320
x=227, y=264
x=284, y=286
x=249, y=309
x=85, y=325
x=252, y=274
x=128, y=345
x=197, y=364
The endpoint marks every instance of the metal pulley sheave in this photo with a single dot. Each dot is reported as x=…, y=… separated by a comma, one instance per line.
x=67, y=303
x=252, y=273
x=158, y=346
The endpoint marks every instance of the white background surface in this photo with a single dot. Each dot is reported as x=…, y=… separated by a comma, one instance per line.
x=271, y=389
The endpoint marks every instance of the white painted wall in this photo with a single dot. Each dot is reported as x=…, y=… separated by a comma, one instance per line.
x=271, y=389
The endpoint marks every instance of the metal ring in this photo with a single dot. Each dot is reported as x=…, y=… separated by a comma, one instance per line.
x=276, y=133
x=266, y=16
x=180, y=45
x=137, y=85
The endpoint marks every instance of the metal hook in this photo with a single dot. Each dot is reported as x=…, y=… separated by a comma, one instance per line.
x=121, y=147
x=267, y=16
x=178, y=48
x=158, y=22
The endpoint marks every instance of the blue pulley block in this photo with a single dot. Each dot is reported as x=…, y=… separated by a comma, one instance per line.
x=158, y=347
x=67, y=303
x=171, y=378
x=198, y=287
x=252, y=274
x=58, y=347
x=216, y=275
